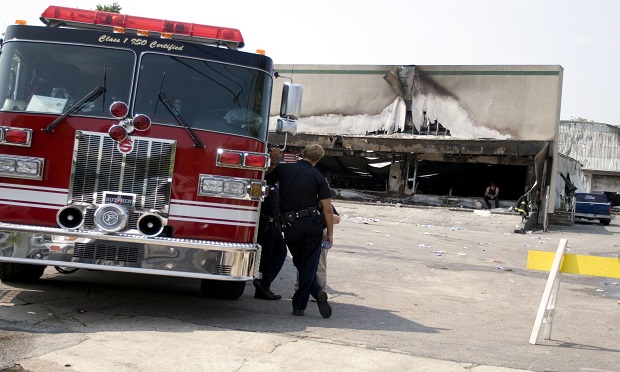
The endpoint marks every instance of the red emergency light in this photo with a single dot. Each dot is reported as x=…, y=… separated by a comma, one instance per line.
x=15, y=136
x=118, y=132
x=238, y=159
x=256, y=160
x=230, y=158
x=93, y=19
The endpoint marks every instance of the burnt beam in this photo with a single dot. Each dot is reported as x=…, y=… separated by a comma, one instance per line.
x=386, y=146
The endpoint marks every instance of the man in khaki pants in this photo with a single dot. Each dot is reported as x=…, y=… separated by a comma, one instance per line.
x=321, y=270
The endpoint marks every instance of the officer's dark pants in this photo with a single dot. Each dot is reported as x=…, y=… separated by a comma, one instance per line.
x=303, y=238
x=273, y=252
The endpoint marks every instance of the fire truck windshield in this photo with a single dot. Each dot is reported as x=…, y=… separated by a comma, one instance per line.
x=51, y=78
x=208, y=94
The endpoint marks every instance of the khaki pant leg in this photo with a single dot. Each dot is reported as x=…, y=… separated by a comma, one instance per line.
x=321, y=270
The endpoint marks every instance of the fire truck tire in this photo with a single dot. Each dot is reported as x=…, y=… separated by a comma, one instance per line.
x=222, y=289
x=20, y=273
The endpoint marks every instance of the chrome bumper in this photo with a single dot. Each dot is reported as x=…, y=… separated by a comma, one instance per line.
x=593, y=216
x=128, y=253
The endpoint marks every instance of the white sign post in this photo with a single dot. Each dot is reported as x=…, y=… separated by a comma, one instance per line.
x=546, y=310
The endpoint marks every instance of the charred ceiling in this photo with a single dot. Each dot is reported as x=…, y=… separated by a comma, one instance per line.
x=436, y=165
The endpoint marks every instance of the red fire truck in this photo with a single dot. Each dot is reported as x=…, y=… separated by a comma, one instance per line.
x=133, y=144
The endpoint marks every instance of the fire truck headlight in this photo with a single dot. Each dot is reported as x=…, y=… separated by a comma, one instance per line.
x=21, y=167
x=236, y=188
x=211, y=186
x=230, y=187
x=28, y=167
x=7, y=165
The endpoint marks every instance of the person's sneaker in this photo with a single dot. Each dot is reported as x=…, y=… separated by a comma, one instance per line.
x=324, y=308
x=297, y=312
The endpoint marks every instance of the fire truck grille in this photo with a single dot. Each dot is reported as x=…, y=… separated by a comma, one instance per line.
x=146, y=171
x=221, y=269
x=89, y=220
x=94, y=251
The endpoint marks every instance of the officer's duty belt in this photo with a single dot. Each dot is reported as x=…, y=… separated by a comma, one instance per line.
x=293, y=216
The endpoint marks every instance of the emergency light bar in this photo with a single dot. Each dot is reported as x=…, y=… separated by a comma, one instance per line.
x=97, y=20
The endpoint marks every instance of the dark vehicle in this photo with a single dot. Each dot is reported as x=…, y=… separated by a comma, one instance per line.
x=613, y=198
x=593, y=206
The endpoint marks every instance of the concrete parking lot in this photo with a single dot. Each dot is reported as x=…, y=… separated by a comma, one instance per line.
x=412, y=288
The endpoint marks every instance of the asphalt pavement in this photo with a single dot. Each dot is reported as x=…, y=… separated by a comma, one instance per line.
x=412, y=289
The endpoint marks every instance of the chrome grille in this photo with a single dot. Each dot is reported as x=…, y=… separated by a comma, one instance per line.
x=89, y=219
x=98, y=166
x=107, y=252
x=221, y=269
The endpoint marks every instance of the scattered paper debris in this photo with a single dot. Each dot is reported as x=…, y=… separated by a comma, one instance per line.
x=484, y=213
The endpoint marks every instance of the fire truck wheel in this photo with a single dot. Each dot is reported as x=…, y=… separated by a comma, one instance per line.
x=222, y=289
x=20, y=273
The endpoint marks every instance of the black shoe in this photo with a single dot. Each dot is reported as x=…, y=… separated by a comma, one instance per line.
x=264, y=293
x=297, y=312
x=324, y=308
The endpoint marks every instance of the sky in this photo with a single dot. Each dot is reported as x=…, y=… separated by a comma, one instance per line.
x=581, y=36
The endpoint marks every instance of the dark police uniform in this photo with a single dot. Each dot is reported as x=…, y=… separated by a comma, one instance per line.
x=270, y=238
x=301, y=188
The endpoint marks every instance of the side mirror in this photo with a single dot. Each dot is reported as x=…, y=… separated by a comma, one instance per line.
x=290, y=107
x=286, y=126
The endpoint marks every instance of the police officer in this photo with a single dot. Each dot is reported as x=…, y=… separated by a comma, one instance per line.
x=303, y=193
x=273, y=253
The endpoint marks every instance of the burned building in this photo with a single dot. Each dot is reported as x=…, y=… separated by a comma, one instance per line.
x=432, y=129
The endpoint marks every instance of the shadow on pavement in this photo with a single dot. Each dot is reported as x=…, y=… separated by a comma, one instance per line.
x=100, y=301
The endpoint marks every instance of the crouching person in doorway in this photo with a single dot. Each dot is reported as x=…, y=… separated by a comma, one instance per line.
x=491, y=194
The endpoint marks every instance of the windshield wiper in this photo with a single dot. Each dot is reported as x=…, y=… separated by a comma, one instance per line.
x=166, y=101
x=77, y=107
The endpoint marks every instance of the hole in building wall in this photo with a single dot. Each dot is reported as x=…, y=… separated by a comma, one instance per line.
x=433, y=177
x=469, y=180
